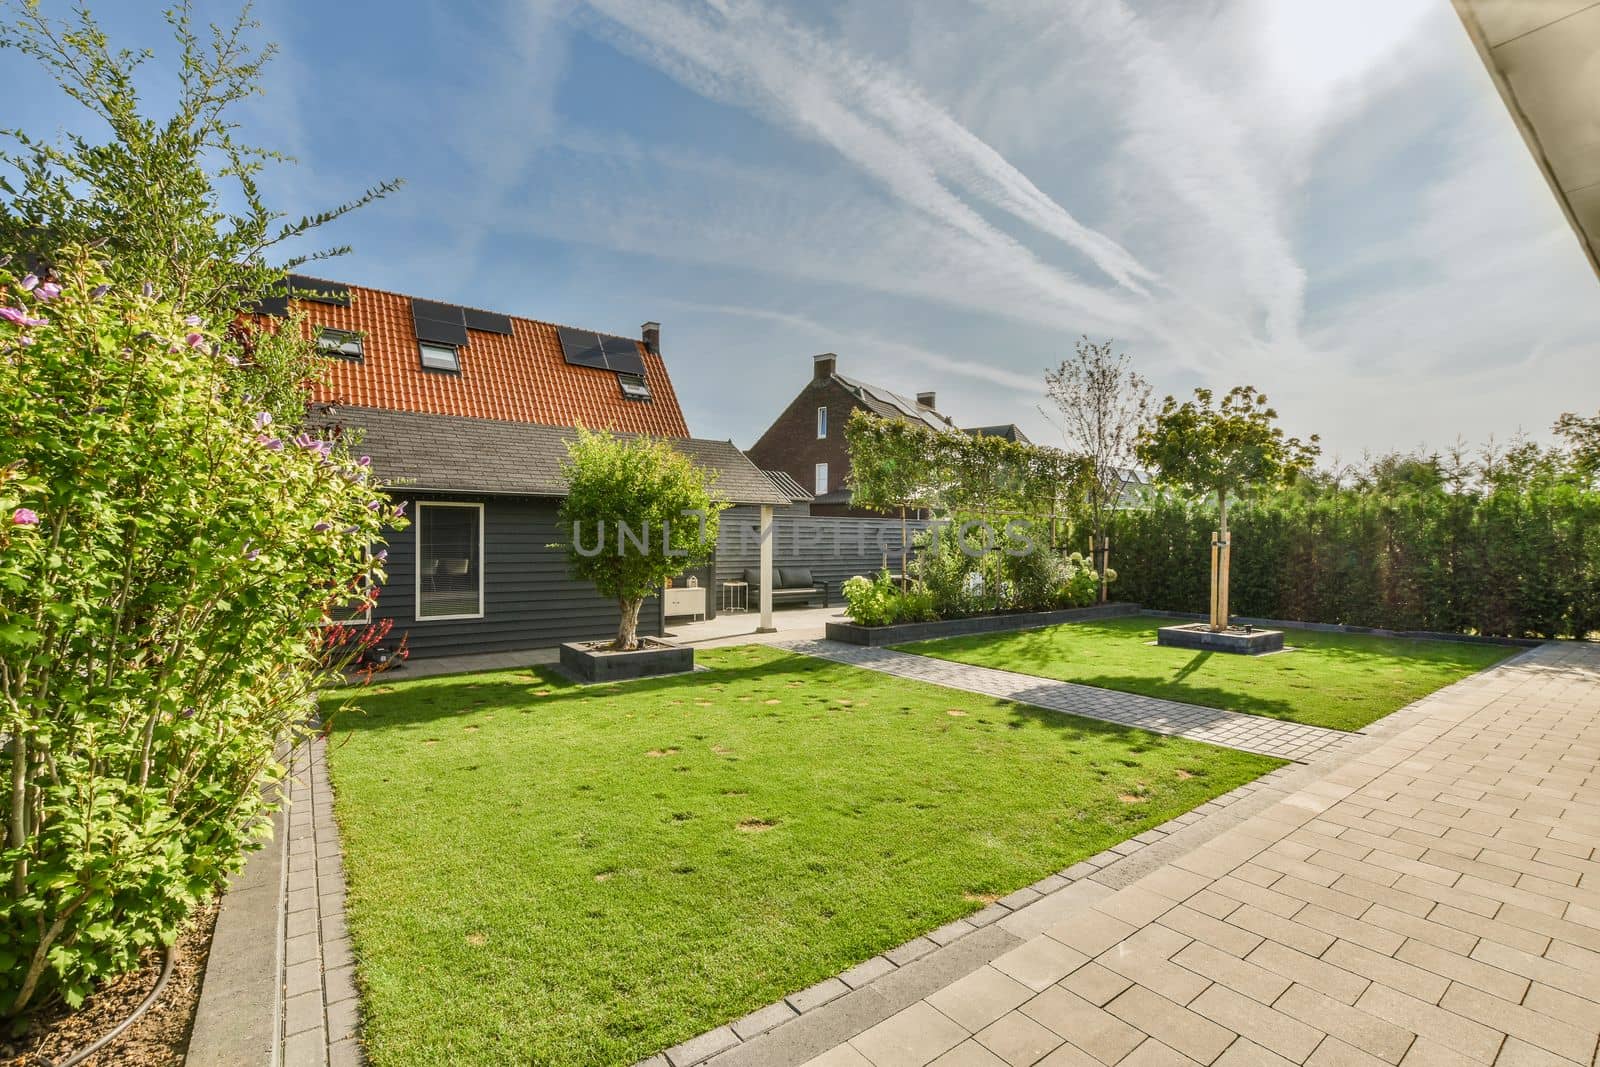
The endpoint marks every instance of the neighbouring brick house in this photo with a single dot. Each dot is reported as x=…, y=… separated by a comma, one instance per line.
x=807, y=440
x=466, y=414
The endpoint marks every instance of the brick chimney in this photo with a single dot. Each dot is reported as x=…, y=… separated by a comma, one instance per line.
x=926, y=400
x=823, y=366
x=651, y=335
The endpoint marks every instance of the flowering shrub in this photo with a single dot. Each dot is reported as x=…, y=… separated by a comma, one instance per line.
x=881, y=601
x=166, y=556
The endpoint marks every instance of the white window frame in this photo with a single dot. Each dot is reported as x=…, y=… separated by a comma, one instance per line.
x=483, y=561
x=820, y=476
x=343, y=337
x=365, y=619
x=455, y=354
x=822, y=424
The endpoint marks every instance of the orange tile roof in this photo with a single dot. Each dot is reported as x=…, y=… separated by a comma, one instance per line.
x=520, y=378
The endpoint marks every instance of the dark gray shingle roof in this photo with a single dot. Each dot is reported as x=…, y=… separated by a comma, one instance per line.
x=1008, y=430
x=452, y=453
x=788, y=486
x=892, y=405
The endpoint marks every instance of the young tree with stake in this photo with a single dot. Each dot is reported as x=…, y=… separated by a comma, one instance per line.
x=1225, y=449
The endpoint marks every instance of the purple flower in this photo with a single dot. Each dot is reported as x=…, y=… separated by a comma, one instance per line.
x=374, y=505
x=29, y=281
x=47, y=291
x=322, y=527
x=191, y=320
x=269, y=442
x=147, y=289
x=194, y=340
x=263, y=419
x=364, y=461
x=233, y=361
x=24, y=517
x=251, y=553
x=382, y=554
x=400, y=510
x=98, y=291
x=20, y=317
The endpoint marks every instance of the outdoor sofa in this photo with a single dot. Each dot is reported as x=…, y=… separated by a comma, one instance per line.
x=788, y=584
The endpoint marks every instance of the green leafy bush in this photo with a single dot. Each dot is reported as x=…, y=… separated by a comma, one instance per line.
x=880, y=601
x=165, y=561
x=1409, y=544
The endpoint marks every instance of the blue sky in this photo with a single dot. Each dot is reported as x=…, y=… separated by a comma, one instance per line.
x=1328, y=201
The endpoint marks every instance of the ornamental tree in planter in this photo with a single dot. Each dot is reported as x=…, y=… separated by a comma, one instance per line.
x=638, y=512
x=1223, y=449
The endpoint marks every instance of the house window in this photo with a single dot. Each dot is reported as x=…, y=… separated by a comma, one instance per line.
x=341, y=343
x=357, y=609
x=440, y=357
x=822, y=423
x=822, y=478
x=634, y=387
x=449, y=561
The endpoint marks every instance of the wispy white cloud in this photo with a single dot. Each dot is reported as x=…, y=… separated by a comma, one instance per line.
x=747, y=54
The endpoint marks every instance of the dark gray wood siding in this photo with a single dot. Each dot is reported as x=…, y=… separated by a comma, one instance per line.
x=835, y=548
x=529, y=599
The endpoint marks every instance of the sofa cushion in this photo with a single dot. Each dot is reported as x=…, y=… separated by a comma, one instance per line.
x=752, y=577
x=795, y=578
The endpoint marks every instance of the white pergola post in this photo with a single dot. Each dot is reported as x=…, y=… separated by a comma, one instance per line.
x=766, y=626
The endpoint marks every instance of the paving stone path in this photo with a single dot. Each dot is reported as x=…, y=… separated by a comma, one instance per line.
x=1433, y=899
x=1251, y=733
x=320, y=1009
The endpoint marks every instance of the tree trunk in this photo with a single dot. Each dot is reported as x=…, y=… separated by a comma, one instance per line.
x=1223, y=562
x=628, y=626
x=905, y=552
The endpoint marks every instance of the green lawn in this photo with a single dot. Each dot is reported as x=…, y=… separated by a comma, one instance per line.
x=546, y=874
x=1341, y=681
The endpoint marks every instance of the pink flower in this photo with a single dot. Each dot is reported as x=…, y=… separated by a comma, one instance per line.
x=194, y=340
x=47, y=291
x=263, y=419
x=29, y=281
x=24, y=517
x=191, y=320
x=364, y=461
x=20, y=317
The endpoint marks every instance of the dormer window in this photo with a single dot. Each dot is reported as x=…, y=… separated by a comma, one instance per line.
x=440, y=357
x=634, y=387
x=344, y=344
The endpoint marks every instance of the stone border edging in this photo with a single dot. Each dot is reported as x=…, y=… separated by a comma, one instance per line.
x=238, y=1020
x=1370, y=631
x=899, y=633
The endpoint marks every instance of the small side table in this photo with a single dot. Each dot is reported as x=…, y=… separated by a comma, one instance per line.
x=735, y=596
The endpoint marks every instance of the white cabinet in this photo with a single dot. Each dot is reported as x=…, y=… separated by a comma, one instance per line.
x=686, y=600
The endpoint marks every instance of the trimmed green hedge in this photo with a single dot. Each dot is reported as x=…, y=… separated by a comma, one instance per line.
x=1519, y=561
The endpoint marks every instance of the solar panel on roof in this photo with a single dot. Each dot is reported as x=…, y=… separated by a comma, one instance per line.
x=582, y=347
x=320, y=291
x=432, y=309
x=487, y=321
x=441, y=323
x=622, y=354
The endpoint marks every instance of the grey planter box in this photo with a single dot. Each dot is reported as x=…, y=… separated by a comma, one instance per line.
x=903, y=633
x=587, y=665
x=1201, y=637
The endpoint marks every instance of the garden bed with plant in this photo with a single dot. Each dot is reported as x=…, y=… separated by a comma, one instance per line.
x=663, y=857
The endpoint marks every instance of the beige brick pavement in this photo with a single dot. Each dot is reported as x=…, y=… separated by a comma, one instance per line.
x=1435, y=900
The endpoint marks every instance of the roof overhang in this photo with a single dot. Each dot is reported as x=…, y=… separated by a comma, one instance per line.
x=1544, y=57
